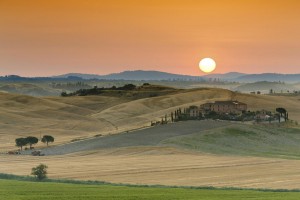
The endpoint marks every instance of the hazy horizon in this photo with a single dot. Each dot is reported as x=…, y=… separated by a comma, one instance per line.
x=201, y=75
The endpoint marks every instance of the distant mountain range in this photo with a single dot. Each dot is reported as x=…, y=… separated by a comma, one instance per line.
x=157, y=76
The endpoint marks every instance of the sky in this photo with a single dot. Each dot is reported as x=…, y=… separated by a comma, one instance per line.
x=51, y=37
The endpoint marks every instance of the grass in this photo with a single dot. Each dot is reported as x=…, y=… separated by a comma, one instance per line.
x=23, y=190
x=245, y=140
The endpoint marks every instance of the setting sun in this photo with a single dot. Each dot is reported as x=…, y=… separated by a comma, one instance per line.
x=207, y=65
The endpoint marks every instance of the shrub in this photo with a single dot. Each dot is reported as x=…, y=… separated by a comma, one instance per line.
x=40, y=171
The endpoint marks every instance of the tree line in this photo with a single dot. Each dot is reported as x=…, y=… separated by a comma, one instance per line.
x=97, y=91
x=21, y=142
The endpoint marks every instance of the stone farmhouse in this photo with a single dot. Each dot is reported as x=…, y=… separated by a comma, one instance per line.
x=194, y=111
x=222, y=107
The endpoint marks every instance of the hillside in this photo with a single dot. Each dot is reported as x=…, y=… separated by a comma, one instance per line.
x=129, y=91
x=68, y=118
x=147, y=137
x=243, y=140
x=29, y=89
x=80, y=117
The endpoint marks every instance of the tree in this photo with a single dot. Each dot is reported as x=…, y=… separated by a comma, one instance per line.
x=128, y=87
x=47, y=138
x=64, y=94
x=20, y=142
x=271, y=91
x=278, y=116
x=282, y=112
x=40, y=171
x=32, y=140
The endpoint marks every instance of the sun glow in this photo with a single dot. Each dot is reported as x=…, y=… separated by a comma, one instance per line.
x=207, y=65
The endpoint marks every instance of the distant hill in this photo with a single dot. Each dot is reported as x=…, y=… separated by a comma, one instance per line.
x=78, y=75
x=134, y=75
x=140, y=75
x=16, y=78
x=250, y=78
x=157, y=75
x=227, y=76
x=265, y=87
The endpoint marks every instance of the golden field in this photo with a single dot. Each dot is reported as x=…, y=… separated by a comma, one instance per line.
x=164, y=166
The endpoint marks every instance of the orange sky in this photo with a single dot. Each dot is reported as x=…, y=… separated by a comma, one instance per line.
x=47, y=37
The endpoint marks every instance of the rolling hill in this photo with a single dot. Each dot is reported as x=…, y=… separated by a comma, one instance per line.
x=243, y=140
x=29, y=89
x=81, y=117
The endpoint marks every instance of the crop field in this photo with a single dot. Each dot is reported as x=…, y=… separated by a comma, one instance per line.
x=163, y=166
x=22, y=190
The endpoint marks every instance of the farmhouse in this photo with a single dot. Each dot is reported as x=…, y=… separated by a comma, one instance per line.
x=235, y=107
x=194, y=111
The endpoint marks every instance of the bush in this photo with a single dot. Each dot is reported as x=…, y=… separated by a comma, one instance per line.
x=40, y=171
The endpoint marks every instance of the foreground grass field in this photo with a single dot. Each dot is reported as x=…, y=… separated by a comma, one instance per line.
x=22, y=190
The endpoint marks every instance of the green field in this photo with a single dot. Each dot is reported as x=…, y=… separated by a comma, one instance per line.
x=245, y=140
x=22, y=190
